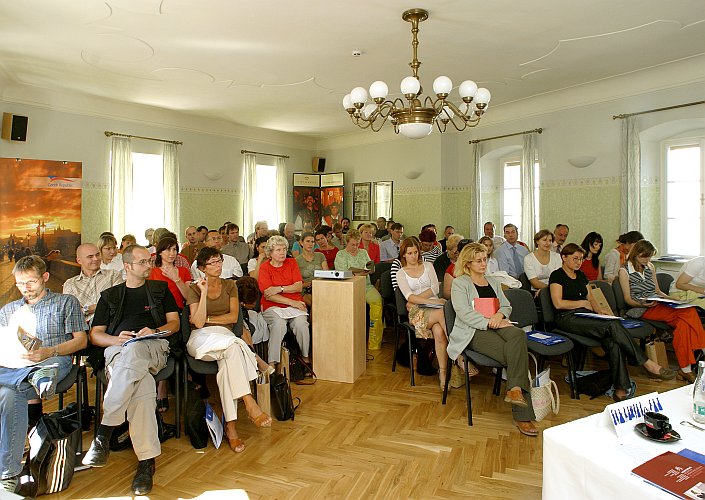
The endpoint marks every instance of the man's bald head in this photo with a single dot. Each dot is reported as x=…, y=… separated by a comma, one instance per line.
x=88, y=257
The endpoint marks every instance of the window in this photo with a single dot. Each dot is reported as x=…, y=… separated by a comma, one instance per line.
x=265, y=199
x=147, y=205
x=511, y=194
x=683, y=195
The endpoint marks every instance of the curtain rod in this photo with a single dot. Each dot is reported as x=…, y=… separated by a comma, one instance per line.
x=243, y=151
x=537, y=130
x=109, y=134
x=627, y=115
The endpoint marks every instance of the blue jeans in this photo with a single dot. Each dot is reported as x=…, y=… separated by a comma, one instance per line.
x=15, y=391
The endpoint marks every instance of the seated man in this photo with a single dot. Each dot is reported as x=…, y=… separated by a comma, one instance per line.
x=57, y=321
x=236, y=246
x=192, y=246
x=132, y=309
x=92, y=280
x=231, y=267
x=510, y=256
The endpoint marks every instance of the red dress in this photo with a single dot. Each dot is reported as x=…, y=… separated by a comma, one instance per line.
x=184, y=276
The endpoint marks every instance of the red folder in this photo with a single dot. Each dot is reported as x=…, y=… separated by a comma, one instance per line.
x=486, y=307
x=675, y=474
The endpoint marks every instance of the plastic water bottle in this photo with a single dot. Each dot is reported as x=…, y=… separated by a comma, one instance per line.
x=699, y=394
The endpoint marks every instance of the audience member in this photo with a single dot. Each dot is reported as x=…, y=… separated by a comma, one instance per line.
x=324, y=247
x=539, y=264
x=418, y=283
x=510, y=255
x=367, y=232
x=258, y=256
x=592, y=244
x=690, y=283
x=56, y=320
x=616, y=257
x=282, y=304
x=109, y=257
x=255, y=329
x=149, y=236
x=202, y=233
x=214, y=307
x=356, y=259
x=261, y=229
x=389, y=248
x=449, y=274
x=127, y=240
x=490, y=334
x=308, y=262
x=492, y=264
x=429, y=247
x=132, y=309
x=560, y=234
x=345, y=222
x=381, y=229
x=488, y=230
x=446, y=233
x=231, y=267
x=385, y=237
x=92, y=280
x=177, y=278
x=338, y=238
x=448, y=257
x=568, y=288
x=236, y=246
x=639, y=285
x=192, y=246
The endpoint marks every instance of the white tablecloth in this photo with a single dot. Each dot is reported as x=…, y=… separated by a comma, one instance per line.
x=584, y=459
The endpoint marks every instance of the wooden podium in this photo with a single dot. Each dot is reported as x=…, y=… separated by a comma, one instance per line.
x=339, y=329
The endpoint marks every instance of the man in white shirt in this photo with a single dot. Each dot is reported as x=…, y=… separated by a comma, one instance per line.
x=510, y=256
x=560, y=234
x=389, y=249
x=231, y=267
x=488, y=230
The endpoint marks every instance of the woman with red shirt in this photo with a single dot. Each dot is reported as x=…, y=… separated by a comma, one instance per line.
x=282, y=303
x=367, y=232
x=165, y=270
x=326, y=248
x=592, y=244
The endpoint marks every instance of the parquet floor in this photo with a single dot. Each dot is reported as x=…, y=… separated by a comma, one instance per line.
x=377, y=438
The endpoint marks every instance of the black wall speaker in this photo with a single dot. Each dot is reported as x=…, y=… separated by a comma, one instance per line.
x=14, y=127
x=319, y=164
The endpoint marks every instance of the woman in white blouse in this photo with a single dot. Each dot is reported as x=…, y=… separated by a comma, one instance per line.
x=539, y=264
x=418, y=283
x=109, y=256
x=690, y=284
x=492, y=264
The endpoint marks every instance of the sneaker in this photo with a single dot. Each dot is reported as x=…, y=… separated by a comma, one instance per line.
x=44, y=381
x=9, y=485
x=97, y=454
x=143, y=481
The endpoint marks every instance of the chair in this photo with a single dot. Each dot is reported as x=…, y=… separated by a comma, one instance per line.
x=664, y=281
x=584, y=342
x=469, y=355
x=390, y=304
x=78, y=376
x=525, y=283
x=607, y=290
x=524, y=314
x=623, y=307
x=380, y=269
x=403, y=321
x=244, y=269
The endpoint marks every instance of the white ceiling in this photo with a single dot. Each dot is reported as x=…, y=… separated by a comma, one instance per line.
x=285, y=65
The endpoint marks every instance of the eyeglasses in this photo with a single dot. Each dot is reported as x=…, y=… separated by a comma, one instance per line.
x=577, y=259
x=30, y=283
x=214, y=262
x=142, y=262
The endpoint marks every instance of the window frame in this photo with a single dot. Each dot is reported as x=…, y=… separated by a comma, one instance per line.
x=514, y=159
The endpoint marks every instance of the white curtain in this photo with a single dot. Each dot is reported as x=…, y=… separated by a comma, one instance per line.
x=281, y=189
x=631, y=176
x=529, y=156
x=249, y=188
x=476, y=193
x=120, y=183
x=172, y=215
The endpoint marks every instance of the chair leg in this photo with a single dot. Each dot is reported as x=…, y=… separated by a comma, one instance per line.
x=61, y=401
x=497, y=382
x=98, y=400
x=447, y=381
x=411, y=357
x=467, y=390
x=396, y=347
x=79, y=407
x=574, y=393
x=177, y=381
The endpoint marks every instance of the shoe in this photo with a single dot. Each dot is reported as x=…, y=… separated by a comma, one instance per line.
x=516, y=397
x=144, y=477
x=9, y=485
x=527, y=428
x=162, y=405
x=687, y=377
x=457, y=378
x=236, y=445
x=619, y=399
x=261, y=420
x=663, y=374
x=44, y=381
x=97, y=454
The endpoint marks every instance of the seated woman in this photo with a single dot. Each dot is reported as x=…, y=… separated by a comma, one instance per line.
x=539, y=264
x=282, y=304
x=492, y=336
x=258, y=257
x=453, y=248
x=690, y=283
x=568, y=287
x=616, y=257
x=592, y=244
x=638, y=280
x=255, y=328
x=352, y=256
x=430, y=249
x=164, y=270
x=127, y=240
x=109, y=256
x=324, y=246
x=308, y=262
x=492, y=264
x=367, y=234
x=214, y=309
x=418, y=283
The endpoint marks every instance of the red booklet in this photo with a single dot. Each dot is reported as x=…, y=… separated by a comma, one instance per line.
x=486, y=307
x=675, y=474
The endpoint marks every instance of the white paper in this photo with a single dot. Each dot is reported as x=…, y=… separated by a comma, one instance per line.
x=540, y=336
x=156, y=335
x=626, y=414
x=597, y=316
x=289, y=312
x=12, y=349
x=544, y=378
x=215, y=426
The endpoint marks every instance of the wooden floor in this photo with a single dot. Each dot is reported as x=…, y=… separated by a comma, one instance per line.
x=377, y=438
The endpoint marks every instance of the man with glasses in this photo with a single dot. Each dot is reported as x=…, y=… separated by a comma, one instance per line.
x=54, y=322
x=131, y=310
x=231, y=267
x=389, y=249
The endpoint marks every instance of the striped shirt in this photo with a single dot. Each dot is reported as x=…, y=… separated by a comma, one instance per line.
x=87, y=289
x=641, y=285
x=53, y=319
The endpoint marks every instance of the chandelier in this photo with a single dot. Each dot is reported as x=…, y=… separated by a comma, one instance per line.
x=415, y=117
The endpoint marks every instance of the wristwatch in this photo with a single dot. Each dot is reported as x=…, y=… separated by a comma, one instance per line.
x=282, y=289
x=55, y=352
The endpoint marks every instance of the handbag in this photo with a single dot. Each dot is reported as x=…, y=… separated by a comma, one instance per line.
x=53, y=444
x=264, y=393
x=282, y=403
x=542, y=397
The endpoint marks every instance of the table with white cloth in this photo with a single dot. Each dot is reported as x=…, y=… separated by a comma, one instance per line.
x=584, y=459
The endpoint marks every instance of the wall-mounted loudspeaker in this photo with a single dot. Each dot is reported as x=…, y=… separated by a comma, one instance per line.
x=14, y=127
x=319, y=164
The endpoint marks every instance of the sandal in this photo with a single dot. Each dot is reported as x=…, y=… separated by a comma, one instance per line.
x=472, y=369
x=261, y=420
x=527, y=428
x=162, y=405
x=236, y=445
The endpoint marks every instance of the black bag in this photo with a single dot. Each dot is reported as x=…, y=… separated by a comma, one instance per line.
x=53, y=443
x=425, y=355
x=195, y=418
x=595, y=384
x=120, y=438
x=282, y=403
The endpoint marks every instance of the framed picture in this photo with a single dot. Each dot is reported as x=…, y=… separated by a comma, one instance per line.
x=361, y=200
x=383, y=191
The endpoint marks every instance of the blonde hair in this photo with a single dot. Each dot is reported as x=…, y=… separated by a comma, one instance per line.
x=353, y=234
x=104, y=240
x=453, y=240
x=467, y=255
